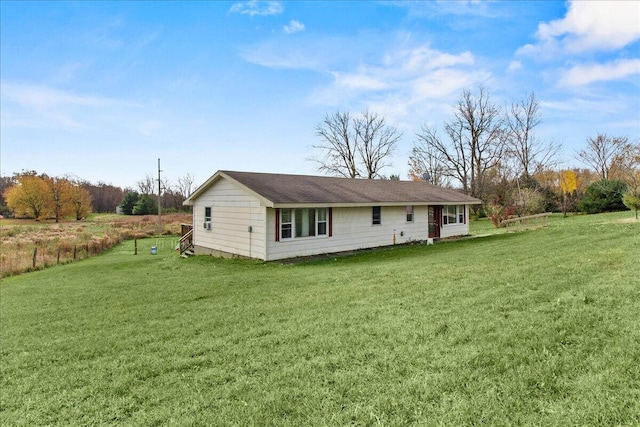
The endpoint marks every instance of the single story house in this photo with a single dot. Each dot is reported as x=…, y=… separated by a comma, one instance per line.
x=276, y=216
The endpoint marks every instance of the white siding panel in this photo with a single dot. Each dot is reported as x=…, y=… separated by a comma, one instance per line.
x=456, y=229
x=233, y=211
x=352, y=229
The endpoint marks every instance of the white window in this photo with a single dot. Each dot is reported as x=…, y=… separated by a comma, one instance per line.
x=409, y=213
x=286, y=225
x=322, y=222
x=303, y=222
x=207, y=218
x=452, y=215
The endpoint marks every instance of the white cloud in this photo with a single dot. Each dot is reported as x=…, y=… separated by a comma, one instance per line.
x=37, y=106
x=293, y=27
x=416, y=80
x=358, y=81
x=444, y=83
x=420, y=71
x=514, y=66
x=581, y=75
x=589, y=26
x=424, y=58
x=43, y=96
x=293, y=58
x=389, y=75
x=255, y=7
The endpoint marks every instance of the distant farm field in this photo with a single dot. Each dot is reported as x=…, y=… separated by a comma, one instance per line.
x=28, y=245
x=537, y=327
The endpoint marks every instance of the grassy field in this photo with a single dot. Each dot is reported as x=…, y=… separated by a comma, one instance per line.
x=538, y=327
x=27, y=245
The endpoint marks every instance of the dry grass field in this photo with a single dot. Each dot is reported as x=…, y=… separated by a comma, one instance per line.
x=28, y=245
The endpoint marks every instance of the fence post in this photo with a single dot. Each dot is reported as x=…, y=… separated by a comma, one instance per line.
x=58, y=254
x=75, y=251
x=135, y=246
x=35, y=254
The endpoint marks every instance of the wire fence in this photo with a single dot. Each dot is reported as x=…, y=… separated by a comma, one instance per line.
x=22, y=256
x=32, y=246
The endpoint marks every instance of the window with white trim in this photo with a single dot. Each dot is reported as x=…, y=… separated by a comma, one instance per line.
x=286, y=223
x=321, y=220
x=303, y=222
x=453, y=215
x=207, y=217
x=409, y=213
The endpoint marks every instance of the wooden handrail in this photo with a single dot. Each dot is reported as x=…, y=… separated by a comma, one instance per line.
x=525, y=218
x=186, y=240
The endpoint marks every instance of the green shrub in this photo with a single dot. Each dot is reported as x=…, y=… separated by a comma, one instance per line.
x=128, y=202
x=603, y=196
x=145, y=205
x=631, y=199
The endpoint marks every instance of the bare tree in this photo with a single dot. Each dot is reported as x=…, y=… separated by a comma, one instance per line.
x=531, y=154
x=625, y=165
x=375, y=142
x=338, y=145
x=105, y=197
x=426, y=163
x=600, y=153
x=355, y=147
x=147, y=185
x=184, y=185
x=453, y=154
x=476, y=141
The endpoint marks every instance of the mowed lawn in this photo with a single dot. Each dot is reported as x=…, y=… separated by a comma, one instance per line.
x=540, y=327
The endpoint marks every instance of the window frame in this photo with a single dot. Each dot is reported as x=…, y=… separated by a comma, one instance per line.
x=289, y=224
x=376, y=215
x=410, y=213
x=459, y=215
x=208, y=218
x=292, y=227
x=324, y=221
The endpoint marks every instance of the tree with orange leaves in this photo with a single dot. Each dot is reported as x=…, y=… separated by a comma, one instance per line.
x=29, y=197
x=59, y=197
x=41, y=197
x=80, y=200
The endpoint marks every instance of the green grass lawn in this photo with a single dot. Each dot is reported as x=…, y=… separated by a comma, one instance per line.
x=539, y=327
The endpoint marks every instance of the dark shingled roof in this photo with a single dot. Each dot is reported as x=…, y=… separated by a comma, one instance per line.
x=281, y=189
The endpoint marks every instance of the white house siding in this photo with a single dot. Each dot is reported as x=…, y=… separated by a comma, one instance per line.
x=456, y=229
x=352, y=229
x=233, y=211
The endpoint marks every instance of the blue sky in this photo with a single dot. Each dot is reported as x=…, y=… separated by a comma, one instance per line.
x=101, y=90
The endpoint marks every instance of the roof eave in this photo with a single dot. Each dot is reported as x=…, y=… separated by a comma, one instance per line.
x=368, y=204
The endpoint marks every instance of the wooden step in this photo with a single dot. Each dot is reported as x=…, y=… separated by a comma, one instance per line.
x=187, y=253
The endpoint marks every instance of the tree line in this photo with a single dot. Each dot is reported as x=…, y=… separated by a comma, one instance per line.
x=485, y=151
x=490, y=153
x=43, y=197
x=39, y=196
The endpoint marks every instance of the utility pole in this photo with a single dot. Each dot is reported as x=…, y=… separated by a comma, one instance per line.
x=159, y=204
